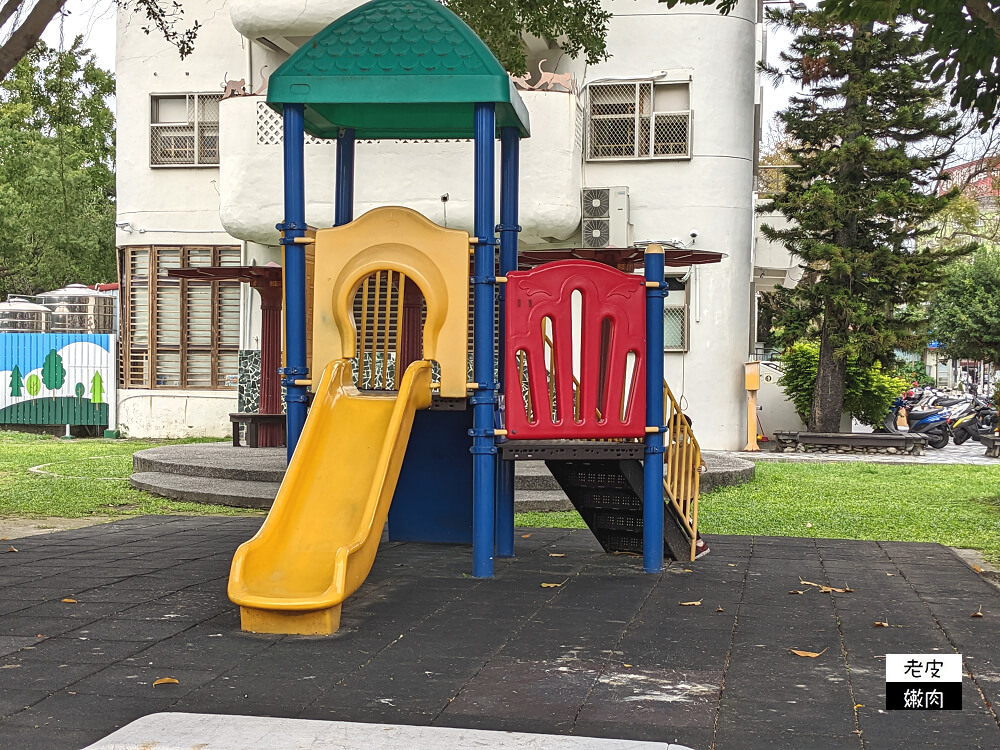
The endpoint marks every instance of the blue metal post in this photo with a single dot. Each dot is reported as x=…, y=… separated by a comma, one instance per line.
x=294, y=226
x=484, y=397
x=343, y=211
x=510, y=146
x=652, y=481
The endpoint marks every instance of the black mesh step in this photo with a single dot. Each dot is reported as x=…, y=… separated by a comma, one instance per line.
x=608, y=495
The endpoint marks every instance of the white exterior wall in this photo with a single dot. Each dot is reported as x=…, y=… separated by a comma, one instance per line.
x=710, y=193
x=170, y=205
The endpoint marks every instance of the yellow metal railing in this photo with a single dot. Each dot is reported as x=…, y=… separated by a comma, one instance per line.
x=683, y=466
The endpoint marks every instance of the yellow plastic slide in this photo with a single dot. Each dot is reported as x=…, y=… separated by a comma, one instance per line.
x=318, y=543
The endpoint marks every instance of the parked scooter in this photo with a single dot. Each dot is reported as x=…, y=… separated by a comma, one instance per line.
x=933, y=423
x=979, y=421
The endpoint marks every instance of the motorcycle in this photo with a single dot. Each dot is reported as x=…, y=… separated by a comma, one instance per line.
x=933, y=423
x=979, y=421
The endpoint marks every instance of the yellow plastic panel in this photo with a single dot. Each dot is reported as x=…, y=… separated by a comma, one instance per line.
x=398, y=239
x=317, y=544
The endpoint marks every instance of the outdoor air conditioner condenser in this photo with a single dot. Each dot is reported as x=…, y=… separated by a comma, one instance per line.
x=605, y=217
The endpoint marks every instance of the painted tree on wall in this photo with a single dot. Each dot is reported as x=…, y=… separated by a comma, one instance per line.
x=97, y=389
x=16, y=382
x=53, y=372
x=33, y=384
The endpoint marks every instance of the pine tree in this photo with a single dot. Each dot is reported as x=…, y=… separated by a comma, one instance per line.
x=97, y=388
x=867, y=135
x=16, y=382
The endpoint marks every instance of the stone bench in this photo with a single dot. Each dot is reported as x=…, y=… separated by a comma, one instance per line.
x=253, y=421
x=849, y=442
x=992, y=443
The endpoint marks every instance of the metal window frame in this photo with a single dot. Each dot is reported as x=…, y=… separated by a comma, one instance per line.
x=192, y=100
x=154, y=346
x=685, y=308
x=641, y=121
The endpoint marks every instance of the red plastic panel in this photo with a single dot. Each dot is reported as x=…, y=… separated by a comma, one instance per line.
x=576, y=332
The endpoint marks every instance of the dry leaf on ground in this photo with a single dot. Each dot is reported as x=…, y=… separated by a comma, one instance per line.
x=12, y=549
x=977, y=569
x=882, y=624
x=67, y=600
x=691, y=604
x=807, y=583
x=978, y=612
x=557, y=554
x=796, y=591
x=166, y=681
x=551, y=585
x=809, y=654
x=525, y=536
x=719, y=609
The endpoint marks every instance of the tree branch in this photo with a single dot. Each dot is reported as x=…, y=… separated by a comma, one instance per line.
x=27, y=34
x=8, y=10
x=981, y=10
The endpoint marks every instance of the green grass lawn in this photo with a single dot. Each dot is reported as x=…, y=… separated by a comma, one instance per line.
x=958, y=506
x=75, y=478
x=955, y=505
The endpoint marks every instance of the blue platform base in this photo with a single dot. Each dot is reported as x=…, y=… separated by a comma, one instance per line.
x=433, y=500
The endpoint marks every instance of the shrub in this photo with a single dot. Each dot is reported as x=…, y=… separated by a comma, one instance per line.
x=868, y=393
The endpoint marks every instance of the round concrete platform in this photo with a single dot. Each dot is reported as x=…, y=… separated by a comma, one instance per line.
x=220, y=474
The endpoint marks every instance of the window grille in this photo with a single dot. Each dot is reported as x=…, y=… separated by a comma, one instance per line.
x=184, y=130
x=630, y=121
x=181, y=333
x=675, y=317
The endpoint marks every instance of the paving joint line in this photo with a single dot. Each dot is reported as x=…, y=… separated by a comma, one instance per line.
x=944, y=631
x=604, y=667
x=843, y=653
x=732, y=642
x=505, y=642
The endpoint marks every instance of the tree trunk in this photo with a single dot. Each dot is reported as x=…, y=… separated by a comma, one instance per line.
x=26, y=34
x=828, y=394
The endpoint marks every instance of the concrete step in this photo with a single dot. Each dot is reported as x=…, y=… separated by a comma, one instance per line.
x=214, y=460
x=252, y=494
x=196, y=489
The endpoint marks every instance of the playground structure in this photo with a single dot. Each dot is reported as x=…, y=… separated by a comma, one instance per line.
x=577, y=356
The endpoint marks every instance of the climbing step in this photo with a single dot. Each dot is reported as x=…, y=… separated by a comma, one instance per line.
x=608, y=495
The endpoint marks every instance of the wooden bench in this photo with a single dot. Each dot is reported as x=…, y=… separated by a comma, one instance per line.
x=253, y=421
x=992, y=443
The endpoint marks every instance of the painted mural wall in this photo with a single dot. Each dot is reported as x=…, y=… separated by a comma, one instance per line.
x=57, y=378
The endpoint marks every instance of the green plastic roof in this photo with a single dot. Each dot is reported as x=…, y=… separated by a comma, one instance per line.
x=396, y=69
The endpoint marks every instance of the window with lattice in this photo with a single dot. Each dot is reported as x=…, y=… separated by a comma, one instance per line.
x=184, y=130
x=639, y=120
x=179, y=333
x=675, y=317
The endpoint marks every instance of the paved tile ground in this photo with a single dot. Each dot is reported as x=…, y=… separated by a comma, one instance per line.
x=971, y=453
x=609, y=653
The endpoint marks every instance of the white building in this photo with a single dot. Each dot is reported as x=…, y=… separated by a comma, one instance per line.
x=669, y=122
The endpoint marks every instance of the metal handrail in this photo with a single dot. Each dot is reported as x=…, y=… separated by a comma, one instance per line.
x=683, y=466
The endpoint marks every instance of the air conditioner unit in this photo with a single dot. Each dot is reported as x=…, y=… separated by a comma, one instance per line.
x=605, y=217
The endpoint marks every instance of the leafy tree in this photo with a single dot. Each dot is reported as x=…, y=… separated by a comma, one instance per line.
x=53, y=372
x=33, y=384
x=869, y=391
x=859, y=194
x=97, y=388
x=24, y=27
x=579, y=25
x=16, y=382
x=57, y=181
x=963, y=39
x=80, y=391
x=965, y=311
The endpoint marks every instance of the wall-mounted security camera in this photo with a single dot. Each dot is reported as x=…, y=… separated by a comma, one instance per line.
x=693, y=234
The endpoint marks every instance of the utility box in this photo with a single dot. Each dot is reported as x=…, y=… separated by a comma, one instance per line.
x=752, y=376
